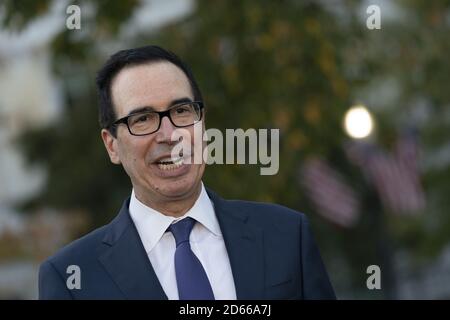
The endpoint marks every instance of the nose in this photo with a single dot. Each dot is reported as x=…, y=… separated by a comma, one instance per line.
x=164, y=134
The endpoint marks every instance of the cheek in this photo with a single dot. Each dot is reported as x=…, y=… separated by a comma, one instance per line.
x=133, y=153
x=196, y=136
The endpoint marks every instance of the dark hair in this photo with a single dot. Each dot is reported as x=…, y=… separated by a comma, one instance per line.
x=131, y=57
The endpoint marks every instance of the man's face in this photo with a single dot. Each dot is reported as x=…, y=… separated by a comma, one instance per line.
x=157, y=85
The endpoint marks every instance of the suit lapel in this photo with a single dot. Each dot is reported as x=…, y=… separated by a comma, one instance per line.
x=244, y=245
x=128, y=265
x=127, y=262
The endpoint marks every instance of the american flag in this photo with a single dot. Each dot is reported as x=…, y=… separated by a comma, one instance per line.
x=394, y=175
x=333, y=198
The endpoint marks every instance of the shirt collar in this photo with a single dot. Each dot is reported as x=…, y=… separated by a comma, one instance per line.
x=152, y=224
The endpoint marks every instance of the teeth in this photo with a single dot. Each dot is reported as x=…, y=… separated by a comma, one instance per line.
x=170, y=160
x=171, y=164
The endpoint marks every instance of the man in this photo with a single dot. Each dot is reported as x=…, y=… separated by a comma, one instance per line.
x=174, y=238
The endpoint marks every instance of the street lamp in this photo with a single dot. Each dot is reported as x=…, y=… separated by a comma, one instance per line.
x=358, y=122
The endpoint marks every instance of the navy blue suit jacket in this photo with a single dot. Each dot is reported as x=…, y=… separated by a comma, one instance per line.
x=271, y=250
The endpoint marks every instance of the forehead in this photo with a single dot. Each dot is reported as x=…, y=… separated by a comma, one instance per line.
x=153, y=84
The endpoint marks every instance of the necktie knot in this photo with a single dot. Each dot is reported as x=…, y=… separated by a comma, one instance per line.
x=182, y=229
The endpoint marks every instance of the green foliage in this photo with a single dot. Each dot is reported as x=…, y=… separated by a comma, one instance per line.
x=18, y=13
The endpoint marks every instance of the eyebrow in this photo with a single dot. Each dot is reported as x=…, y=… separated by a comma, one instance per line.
x=150, y=108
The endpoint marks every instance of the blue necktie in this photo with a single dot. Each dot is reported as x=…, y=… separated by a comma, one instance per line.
x=192, y=281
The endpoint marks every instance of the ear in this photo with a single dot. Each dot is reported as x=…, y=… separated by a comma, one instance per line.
x=111, y=146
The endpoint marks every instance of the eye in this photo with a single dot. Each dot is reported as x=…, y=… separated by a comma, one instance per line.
x=182, y=109
x=142, y=118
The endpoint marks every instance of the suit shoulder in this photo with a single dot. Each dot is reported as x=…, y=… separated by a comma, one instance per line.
x=270, y=211
x=79, y=249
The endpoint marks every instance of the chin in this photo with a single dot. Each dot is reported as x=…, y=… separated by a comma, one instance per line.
x=177, y=188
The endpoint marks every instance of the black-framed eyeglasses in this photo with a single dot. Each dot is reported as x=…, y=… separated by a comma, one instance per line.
x=147, y=122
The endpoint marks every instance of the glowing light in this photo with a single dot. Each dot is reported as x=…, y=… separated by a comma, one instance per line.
x=358, y=122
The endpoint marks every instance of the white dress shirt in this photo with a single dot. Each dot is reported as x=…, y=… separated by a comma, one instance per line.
x=206, y=240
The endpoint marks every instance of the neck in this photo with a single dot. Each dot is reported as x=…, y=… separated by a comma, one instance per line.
x=174, y=207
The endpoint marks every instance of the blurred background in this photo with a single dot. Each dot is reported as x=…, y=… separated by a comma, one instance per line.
x=364, y=119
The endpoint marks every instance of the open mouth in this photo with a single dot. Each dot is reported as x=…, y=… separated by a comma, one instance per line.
x=169, y=164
